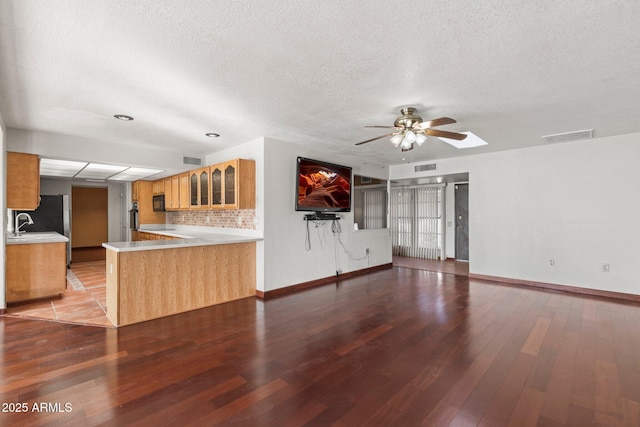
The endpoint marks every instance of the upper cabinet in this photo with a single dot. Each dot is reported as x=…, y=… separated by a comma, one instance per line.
x=199, y=188
x=142, y=193
x=233, y=185
x=167, y=193
x=184, y=199
x=158, y=187
x=23, y=181
x=172, y=193
x=135, y=191
x=228, y=185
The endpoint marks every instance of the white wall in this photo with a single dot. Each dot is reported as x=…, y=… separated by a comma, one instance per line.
x=286, y=260
x=573, y=202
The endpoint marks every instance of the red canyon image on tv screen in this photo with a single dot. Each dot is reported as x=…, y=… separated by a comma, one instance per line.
x=323, y=186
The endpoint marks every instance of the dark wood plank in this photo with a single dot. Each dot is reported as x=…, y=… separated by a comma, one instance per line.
x=395, y=347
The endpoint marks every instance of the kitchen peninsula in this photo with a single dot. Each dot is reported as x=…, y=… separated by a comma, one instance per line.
x=193, y=269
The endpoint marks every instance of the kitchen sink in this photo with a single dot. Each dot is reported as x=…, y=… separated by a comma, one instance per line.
x=27, y=236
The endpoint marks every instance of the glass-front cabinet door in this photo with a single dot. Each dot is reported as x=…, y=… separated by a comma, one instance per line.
x=204, y=188
x=199, y=188
x=230, y=184
x=216, y=186
x=193, y=189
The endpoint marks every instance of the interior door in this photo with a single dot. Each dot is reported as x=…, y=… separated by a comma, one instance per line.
x=462, y=221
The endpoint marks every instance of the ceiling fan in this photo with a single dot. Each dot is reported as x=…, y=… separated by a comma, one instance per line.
x=410, y=129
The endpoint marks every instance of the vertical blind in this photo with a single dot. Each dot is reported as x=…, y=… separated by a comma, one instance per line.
x=375, y=208
x=416, y=221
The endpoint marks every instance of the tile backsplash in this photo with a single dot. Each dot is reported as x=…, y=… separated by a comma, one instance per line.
x=233, y=218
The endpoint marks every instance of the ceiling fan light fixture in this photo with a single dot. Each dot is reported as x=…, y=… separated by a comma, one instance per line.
x=396, y=139
x=410, y=129
x=410, y=136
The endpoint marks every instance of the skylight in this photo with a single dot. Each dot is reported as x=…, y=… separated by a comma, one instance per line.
x=470, y=141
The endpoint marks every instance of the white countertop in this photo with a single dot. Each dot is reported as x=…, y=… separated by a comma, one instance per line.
x=35, y=237
x=188, y=237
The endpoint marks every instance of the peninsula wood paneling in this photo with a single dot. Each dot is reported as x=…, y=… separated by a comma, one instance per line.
x=143, y=285
x=113, y=287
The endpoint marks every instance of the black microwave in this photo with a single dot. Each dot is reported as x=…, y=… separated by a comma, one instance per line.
x=158, y=202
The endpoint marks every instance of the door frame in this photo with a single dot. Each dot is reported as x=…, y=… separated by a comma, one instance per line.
x=461, y=221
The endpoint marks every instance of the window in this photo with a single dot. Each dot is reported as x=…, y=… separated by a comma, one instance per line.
x=416, y=221
x=370, y=203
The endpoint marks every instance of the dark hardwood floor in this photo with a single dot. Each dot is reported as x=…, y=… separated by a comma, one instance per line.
x=399, y=347
x=459, y=268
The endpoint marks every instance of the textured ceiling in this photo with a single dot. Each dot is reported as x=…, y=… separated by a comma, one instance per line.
x=316, y=73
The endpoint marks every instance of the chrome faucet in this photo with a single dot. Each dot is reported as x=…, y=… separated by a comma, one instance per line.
x=17, y=227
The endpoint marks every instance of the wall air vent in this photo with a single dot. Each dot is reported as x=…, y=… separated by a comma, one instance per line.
x=569, y=136
x=196, y=161
x=422, y=168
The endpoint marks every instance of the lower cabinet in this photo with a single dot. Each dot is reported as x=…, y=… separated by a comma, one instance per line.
x=143, y=235
x=35, y=270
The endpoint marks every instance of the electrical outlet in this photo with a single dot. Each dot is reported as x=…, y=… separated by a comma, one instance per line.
x=239, y=220
x=208, y=220
x=606, y=268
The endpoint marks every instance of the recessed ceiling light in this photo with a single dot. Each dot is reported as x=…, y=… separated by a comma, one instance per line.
x=212, y=135
x=123, y=117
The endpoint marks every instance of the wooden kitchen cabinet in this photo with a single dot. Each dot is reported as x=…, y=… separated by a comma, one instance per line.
x=143, y=192
x=228, y=185
x=158, y=187
x=199, y=189
x=172, y=195
x=35, y=270
x=184, y=191
x=143, y=235
x=233, y=185
x=135, y=191
x=167, y=193
x=23, y=181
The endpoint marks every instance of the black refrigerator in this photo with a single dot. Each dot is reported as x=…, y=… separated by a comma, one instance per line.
x=52, y=215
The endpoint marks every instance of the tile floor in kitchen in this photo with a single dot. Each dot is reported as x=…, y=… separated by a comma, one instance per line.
x=83, y=303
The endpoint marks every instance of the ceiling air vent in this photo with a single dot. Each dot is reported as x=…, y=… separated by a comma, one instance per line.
x=196, y=161
x=422, y=168
x=569, y=136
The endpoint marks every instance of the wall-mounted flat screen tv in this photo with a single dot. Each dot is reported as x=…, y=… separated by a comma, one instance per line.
x=323, y=186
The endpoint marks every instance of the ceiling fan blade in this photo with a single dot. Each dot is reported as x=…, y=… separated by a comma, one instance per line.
x=383, y=127
x=373, y=139
x=445, y=134
x=436, y=122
